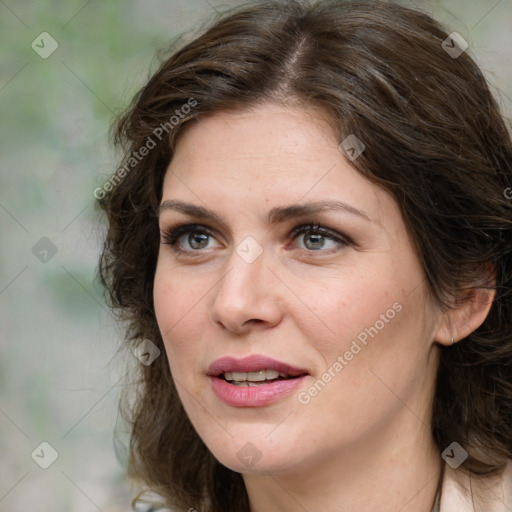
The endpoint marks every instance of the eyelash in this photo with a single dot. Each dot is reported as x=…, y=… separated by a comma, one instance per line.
x=172, y=235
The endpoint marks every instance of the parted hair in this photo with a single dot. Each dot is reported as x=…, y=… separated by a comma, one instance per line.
x=434, y=138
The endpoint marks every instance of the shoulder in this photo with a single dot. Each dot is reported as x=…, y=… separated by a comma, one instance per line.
x=464, y=493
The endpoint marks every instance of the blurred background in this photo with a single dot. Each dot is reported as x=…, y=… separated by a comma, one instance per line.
x=67, y=69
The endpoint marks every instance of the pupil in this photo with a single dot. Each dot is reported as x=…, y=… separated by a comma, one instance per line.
x=317, y=241
x=196, y=240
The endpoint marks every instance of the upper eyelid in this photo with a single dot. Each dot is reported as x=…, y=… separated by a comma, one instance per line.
x=312, y=225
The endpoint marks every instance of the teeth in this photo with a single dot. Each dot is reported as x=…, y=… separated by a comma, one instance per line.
x=259, y=376
x=239, y=376
x=253, y=376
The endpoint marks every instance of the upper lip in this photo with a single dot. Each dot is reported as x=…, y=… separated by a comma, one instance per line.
x=252, y=363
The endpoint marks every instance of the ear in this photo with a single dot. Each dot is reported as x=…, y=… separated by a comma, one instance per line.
x=466, y=317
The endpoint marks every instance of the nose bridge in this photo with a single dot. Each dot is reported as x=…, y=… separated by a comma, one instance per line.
x=245, y=292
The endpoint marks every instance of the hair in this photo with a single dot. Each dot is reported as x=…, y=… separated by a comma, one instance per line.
x=434, y=138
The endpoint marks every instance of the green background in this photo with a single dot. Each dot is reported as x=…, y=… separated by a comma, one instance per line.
x=59, y=375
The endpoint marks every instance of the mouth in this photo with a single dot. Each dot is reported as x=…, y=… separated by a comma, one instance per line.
x=254, y=369
x=253, y=381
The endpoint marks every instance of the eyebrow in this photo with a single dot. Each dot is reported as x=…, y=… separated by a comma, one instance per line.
x=276, y=214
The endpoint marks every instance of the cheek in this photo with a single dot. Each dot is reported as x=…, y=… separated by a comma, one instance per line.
x=376, y=320
x=344, y=306
x=373, y=361
x=179, y=310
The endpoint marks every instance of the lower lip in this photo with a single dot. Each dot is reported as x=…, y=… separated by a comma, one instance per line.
x=254, y=396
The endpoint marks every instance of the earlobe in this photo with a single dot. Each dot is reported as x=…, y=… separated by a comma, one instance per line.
x=471, y=312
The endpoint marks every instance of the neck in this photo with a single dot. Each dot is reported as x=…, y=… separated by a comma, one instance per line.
x=394, y=471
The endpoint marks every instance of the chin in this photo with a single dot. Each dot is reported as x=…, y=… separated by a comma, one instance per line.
x=249, y=452
x=248, y=459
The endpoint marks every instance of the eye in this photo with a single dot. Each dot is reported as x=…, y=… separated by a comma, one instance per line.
x=193, y=238
x=318, y=238
x=188, y=238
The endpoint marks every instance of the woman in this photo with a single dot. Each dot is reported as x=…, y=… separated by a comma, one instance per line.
x=311, y=226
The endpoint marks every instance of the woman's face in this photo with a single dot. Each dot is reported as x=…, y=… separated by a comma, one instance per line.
x=342, y=312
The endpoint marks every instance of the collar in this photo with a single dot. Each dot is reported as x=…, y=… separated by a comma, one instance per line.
x=466, y=492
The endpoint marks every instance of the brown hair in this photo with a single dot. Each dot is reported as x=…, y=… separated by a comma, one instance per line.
x=434, y=138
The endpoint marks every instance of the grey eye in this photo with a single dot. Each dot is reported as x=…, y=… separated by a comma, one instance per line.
x=198, y=240
x=314, y=241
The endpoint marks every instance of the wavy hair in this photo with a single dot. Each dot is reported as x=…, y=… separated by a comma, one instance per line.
x=435, y=139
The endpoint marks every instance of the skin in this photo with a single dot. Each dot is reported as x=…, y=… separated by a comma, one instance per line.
x=362, y=443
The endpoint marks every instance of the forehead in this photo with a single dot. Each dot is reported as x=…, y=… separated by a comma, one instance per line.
x=270, y=153
x=269, y=133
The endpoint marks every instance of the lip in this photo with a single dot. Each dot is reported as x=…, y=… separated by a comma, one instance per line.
x=253, y=396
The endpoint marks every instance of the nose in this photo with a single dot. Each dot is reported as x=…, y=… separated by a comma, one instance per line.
x=247, y=296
